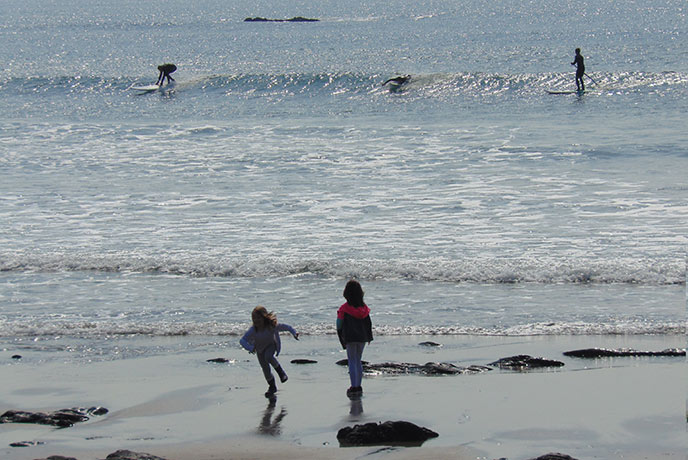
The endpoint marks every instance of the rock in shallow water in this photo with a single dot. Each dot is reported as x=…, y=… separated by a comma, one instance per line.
x=423, y=369
x=62, y=418
x=418, y=369
x=623, y=352
x=554, y=456
x=294, y=19
x=118, y=455
x=387, y=433
x=130, y=455
x=345, y=362
x=57, y=457
x=26, y=443
x=524, y=362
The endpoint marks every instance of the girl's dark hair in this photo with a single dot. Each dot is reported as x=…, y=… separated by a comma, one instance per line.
x=353, y=293
x=262, y=319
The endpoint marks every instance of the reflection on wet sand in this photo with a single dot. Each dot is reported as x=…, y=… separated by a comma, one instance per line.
x=268, y=425
x=356, y=408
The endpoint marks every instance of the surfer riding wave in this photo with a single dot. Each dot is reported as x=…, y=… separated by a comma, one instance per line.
x=165, y=71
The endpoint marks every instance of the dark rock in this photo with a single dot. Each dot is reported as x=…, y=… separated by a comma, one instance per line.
x=524, y=362
x=430, y=344
x=26, y=443
x=303, y=361
x=302, y=19
x=129, y=455
x=62, y=418
x=294, y=19
x=217, y=360
x=57, y=457
x=16, y=357
x=345, y=362
x=423, y=369
x=387, y=433
x=97, y=410
x=418, y=369
x=623, y=352
x=554, y=456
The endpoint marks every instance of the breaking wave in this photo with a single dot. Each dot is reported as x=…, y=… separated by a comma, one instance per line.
x=470, y=270
x=100, y=329
x=349, y=84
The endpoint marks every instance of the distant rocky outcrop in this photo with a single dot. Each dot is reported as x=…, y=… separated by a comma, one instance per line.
x=62, y=418
x=387, y=433
x=303, y=361
x=430, y=344
x=622, y=352
x=525, y=362
x=217, y=360
x=294, y=19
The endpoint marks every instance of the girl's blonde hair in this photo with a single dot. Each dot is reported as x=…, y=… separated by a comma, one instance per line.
x=263, y=319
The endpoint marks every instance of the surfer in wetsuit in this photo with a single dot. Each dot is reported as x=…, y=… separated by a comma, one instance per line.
x=580, y=70
x=165, y=71
x=398, y=80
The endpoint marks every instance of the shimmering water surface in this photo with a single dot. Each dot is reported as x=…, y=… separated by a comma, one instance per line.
x=470, y=201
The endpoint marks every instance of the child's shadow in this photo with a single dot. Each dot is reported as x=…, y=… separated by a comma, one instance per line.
x=268, y=426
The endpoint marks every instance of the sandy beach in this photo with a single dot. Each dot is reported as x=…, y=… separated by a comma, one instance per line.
x=180, y=406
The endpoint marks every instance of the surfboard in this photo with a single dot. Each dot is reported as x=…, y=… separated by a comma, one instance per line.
x=396, y=87
x=147, y=88
x=565, y=92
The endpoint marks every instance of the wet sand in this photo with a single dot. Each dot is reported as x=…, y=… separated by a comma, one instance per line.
x=181, y=407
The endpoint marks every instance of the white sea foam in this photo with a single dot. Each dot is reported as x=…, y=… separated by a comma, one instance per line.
x=471, y=270
x=103, y=330
x=467, y=201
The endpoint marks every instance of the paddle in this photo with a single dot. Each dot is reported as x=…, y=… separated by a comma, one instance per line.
x=591, y=79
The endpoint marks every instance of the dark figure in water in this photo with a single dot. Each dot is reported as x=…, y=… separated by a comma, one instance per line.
x=398, y=80
x=580, y=70
x=165, y=71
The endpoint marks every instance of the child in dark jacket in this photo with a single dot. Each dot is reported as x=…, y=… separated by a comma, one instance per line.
x=354, y=329
x=263, y=339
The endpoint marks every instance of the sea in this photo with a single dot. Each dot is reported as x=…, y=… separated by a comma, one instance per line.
x=468, y=201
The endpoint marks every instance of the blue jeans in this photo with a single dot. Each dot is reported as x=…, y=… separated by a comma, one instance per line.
x=354, y=353
x=267, y=358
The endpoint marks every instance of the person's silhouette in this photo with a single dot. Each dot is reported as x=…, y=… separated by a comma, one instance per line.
x=579, y=62
x=165, y=71
x=400, y=80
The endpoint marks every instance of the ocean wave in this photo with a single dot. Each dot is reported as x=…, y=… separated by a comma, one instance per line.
x=104, y=329
x=552, y=270
x=351, y=84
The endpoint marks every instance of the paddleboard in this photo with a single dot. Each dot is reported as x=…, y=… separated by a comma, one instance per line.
x=147, y=88
x=566, y=92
